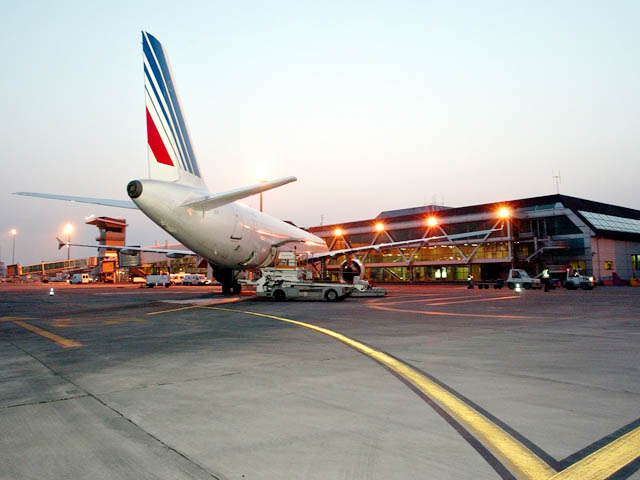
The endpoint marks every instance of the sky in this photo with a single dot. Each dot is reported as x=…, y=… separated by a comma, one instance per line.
x=372, y=105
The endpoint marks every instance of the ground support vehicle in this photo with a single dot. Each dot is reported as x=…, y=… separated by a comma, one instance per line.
x=519, y=278
x=290, y=283
x=496, y=284
x=362, y=288
x=158, y=281
x=575, y=279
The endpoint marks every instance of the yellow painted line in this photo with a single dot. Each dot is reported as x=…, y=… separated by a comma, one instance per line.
x=421, y=300
x=448, y=314
x=191, y=307
x=521, y=462
x=490, y=299
x=12, y=319
x=606, y=461
x=63, y=342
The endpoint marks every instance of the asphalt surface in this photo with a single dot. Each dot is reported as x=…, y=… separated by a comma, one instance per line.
x=429, y=382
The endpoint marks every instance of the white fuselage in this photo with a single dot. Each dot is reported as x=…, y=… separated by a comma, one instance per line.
x=231, y=236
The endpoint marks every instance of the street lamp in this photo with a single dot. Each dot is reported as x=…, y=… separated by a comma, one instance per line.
x=68, y=228
x=261, y=173
x=13, y=232
x=504, y=212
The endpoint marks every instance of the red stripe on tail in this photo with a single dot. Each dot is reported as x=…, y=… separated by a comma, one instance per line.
x=156, y=143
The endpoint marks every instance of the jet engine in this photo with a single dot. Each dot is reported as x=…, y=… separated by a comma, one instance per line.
x=349, y=269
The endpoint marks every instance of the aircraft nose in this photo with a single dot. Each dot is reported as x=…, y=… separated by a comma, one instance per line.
x=134, y=189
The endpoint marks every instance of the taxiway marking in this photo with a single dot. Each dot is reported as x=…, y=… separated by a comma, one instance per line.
x=516, y=457
x=490, y=299
x=420, y=300
x=606, y=461
x=190, y=307
x=63, y=342
x=378, y=306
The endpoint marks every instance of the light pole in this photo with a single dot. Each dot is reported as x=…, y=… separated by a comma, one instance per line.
x=13, y=232
x=68, y=228
x=261, y=173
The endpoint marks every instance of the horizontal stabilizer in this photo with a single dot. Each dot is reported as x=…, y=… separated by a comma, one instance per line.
x=128, y=250
x=96, y=201
x=211, y=202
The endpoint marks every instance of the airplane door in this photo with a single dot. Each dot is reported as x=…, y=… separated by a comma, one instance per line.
x=237, y=227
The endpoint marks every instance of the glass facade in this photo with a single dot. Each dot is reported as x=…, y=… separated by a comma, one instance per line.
x=540, y=235
x=611, y=223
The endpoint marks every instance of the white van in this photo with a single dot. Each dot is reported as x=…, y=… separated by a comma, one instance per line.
x=78, y=278
x=176, y=278
x=195, y=279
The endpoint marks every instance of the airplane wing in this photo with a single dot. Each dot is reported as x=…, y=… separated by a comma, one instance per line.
x=127, y=250
x=96, y=201
x=405, y=243
x=211, y=202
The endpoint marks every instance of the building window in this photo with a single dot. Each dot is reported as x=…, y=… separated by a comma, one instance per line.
x=635, y=261
x=608, y=265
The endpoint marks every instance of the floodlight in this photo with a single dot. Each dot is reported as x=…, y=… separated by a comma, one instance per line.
x=432, y=221
x=379, y=227
x=337, y=232
x=504, y=212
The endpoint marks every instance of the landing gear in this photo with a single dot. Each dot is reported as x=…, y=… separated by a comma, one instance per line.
x=228, y=281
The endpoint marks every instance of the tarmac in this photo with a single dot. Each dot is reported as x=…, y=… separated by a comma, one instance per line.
x=436, y=382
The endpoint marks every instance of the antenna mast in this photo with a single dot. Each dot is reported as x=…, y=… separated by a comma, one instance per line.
x=556, y=179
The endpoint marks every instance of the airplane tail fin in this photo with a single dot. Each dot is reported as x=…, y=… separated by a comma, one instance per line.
x=171, y=155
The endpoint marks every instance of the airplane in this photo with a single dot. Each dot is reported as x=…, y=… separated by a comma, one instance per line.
x=231, y=236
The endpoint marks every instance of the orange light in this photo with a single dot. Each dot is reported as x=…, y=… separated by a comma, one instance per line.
x=504, y=212
x=337, y=232
x=13, y=232
x=68, y=228
x=379, y=227
x=432, y=221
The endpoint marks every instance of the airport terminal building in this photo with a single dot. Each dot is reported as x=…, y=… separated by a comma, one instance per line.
x=553, y=231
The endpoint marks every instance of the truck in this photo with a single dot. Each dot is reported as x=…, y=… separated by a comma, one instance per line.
x=574, y=279
x=519, y=278
x=158, y=281
x=292, y=283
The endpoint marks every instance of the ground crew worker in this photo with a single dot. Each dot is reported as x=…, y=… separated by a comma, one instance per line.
x=545, y=279
x=470, y=280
